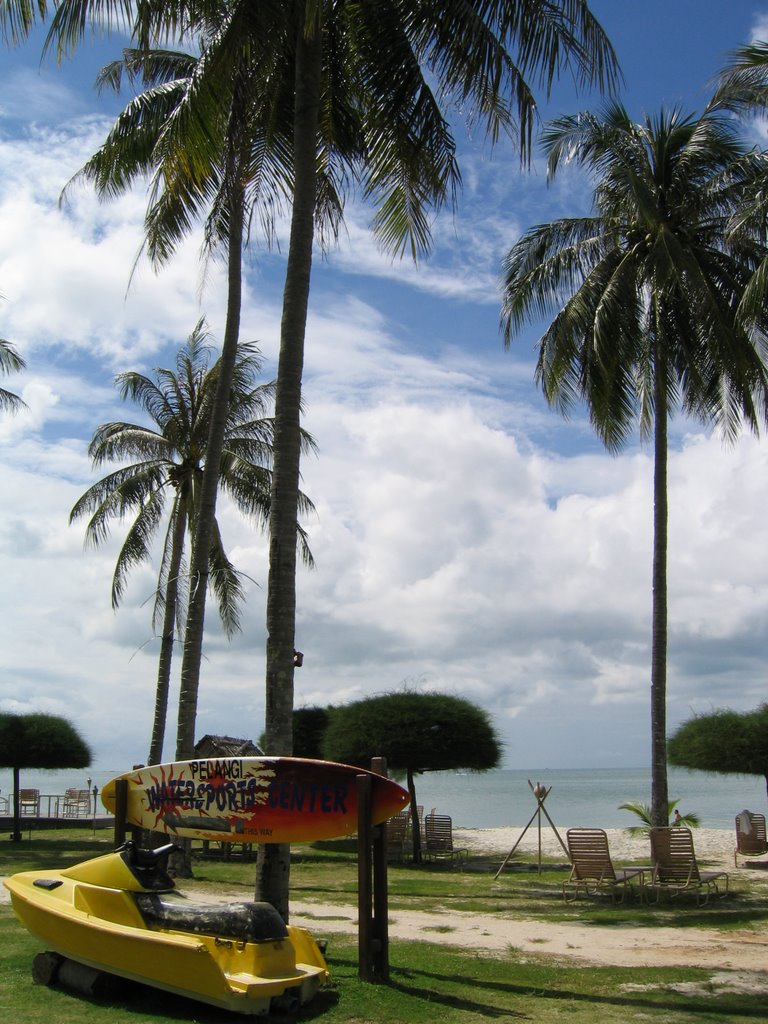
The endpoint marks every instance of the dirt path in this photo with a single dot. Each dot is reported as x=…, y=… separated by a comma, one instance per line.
x=741, y=950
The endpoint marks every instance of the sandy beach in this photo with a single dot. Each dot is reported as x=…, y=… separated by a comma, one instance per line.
x=713, y=845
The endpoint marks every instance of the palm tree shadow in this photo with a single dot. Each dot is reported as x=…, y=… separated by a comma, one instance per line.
x=434, y=997
x=745, y=1005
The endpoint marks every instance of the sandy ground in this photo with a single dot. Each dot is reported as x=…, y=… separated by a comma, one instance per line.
x=713, y=846
x=743, y=954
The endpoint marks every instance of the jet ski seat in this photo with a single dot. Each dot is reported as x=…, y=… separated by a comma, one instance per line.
x=165, y=909
x=243, y=922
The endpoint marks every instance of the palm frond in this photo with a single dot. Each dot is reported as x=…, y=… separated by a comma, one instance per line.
x=643, y=812
x=137, y=544
x=10, y=362
x=226, y=585
x=663, y=264
x=742, y=87
x=19, y=17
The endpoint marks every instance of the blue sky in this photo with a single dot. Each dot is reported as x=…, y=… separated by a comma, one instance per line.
x=467, y=539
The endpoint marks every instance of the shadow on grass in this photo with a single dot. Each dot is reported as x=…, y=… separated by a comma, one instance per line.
x=720, y=916
x=155, y=1004
x=62, y=851
x=725, y=1005
x=434, y=988
x=147, y=1003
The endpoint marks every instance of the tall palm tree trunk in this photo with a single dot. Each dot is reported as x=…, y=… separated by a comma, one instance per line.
x=168, y=636
x=206, y=510
x=659, y=790
x=273, y=866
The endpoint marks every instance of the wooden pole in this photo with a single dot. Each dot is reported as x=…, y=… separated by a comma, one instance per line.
x=372, y=887
x=16, y=834
x=366, y=968
x=380, y=891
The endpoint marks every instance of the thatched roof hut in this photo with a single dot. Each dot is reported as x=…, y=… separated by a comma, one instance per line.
x=226, y=746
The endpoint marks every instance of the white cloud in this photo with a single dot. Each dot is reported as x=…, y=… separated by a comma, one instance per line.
x=66, y=270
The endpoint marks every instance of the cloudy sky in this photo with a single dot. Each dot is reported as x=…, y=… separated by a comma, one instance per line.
x=467, y=539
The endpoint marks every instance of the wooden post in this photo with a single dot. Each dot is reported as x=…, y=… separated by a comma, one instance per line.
x=380, y=890
x=366, y=968
x=372, y=894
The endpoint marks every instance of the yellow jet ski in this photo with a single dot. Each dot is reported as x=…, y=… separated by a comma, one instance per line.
x=122, y=914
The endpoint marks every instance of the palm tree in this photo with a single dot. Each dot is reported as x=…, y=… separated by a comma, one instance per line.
x=163, y=485
x=10, y=362
x=211, y=145
x=358, y=113
x=404, y=157
x=644, y=293
x=643, y=811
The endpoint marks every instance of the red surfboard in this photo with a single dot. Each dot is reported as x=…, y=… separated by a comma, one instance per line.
x=252, y=799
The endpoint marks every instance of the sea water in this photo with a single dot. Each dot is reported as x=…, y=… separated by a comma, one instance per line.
x=583, y=798
x=576, y=798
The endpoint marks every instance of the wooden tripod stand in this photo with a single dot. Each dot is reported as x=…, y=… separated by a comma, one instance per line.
x=541, y=793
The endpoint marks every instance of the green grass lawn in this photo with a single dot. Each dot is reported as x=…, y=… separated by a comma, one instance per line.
x=429, y=982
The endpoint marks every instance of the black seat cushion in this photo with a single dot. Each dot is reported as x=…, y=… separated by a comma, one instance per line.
x=244, y=922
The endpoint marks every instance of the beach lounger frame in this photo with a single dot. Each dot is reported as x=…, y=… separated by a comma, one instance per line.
x=592, y=870
x=400, y=834
x=77, y=803
x=438, y=840
x=396, y=830
x=676, y=870
x=751, y=839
